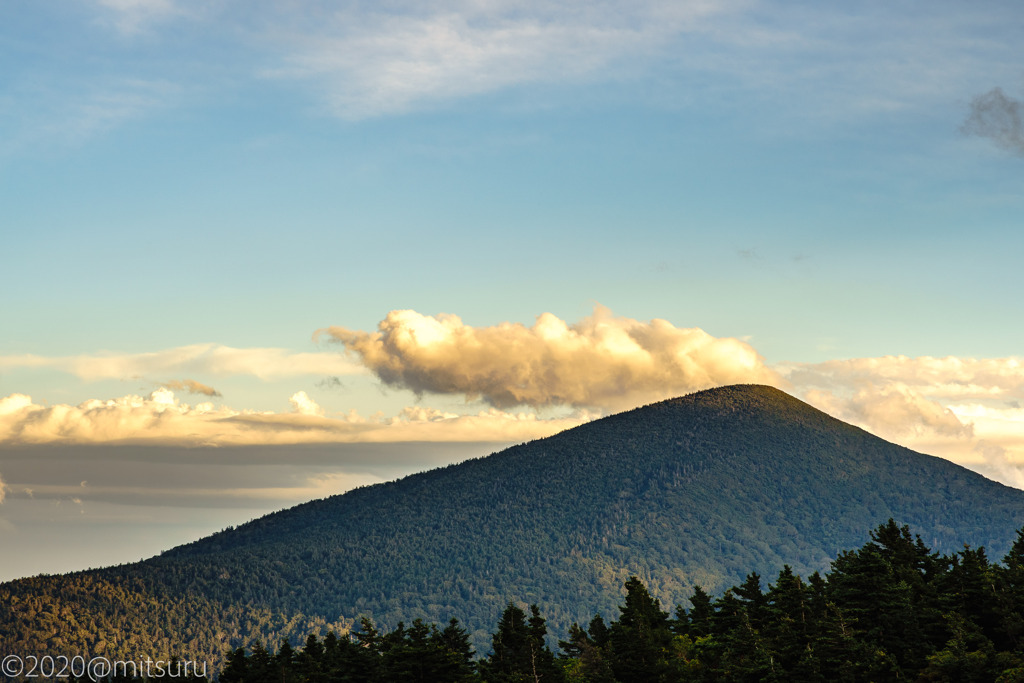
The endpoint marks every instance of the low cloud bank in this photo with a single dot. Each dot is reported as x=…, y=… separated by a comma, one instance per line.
x=162, y=419
x=964, y=409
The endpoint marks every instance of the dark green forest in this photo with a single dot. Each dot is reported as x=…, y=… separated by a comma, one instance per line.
x=893, y=610
x=696, y=491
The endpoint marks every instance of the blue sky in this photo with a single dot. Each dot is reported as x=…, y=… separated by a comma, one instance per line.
x=189, y=191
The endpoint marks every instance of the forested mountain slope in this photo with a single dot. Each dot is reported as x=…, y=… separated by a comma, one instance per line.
x=695, y=490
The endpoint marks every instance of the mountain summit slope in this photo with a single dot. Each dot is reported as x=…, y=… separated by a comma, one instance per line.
x=694, y=490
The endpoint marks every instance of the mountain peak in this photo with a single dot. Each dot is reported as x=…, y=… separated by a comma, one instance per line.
x=699, y=489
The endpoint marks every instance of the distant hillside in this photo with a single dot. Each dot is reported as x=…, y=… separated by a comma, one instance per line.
x=695, y=490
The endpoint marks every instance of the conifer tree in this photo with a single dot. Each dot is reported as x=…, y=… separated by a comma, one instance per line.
x=754, y=601
x=879, y=610
x=236, y=668
x=309, y=663
x=598, y=631
x=741, y=654
x=284, y=661
x=361, y=661
x=454, y=641
x=639, y=639
x=970, y=589
x=260, y=664
x=701, y=614
x=788, y=625
x=583, y=661
x=1010, y=581
x=520, y=652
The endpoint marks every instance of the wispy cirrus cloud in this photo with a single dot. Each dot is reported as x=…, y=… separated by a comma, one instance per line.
x=816, y=62
x=40, y=113
x=367, y=60
x=373, y=62
x=195, y=359
x=603, y=361
x=132, y=16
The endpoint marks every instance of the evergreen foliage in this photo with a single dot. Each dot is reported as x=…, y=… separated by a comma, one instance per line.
x=808, y=631
x=812, y=631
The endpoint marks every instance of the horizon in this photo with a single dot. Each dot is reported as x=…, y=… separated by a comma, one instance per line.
x=386, y=239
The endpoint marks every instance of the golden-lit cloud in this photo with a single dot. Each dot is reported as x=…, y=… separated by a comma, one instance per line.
x=967, y=410
x=894, y=409
x=162, y=419
x=191, y=386
x=195, y=359
x=603, y=361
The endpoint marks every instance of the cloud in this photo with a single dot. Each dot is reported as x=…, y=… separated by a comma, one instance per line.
x=602, y=361
x=304, y=405
x=162, y=419
x=963, y=409
x=331, y=382
x=815, y=62
x=63, y=111
x=950, y=377
x=371, y=59
x=895, y=410
x=998, y=118
x=142, y=6
x=191, y=386
x=3, y=490
x=196, y=359
x=132, y=16
x=403, y=55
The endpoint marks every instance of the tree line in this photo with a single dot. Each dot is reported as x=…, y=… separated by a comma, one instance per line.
x=890, y=611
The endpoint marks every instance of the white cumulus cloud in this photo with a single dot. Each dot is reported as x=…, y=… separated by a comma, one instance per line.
x=304, y=405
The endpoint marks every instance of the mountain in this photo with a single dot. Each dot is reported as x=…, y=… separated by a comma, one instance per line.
x=695, y=490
